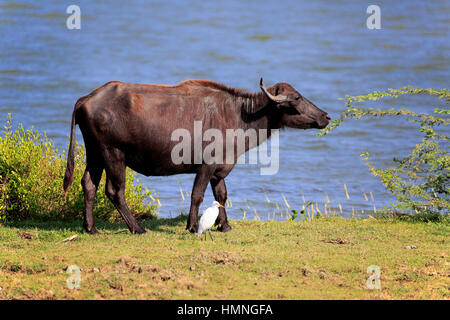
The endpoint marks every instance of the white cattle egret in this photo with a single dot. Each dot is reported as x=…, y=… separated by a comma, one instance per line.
x=208, y=218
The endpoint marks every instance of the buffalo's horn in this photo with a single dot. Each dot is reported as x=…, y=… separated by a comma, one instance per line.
x=278, y=99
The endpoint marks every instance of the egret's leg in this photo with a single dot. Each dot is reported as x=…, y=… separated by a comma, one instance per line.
x=210, y=234
x=205, y=235
x=220, y=194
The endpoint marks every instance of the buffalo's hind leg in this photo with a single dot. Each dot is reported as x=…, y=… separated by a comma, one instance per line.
x=90, y=181
x=115, y=188
x=220, y=194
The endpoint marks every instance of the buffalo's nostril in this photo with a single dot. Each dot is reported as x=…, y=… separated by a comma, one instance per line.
x=328, y=117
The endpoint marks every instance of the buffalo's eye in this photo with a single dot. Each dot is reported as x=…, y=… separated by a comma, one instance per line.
x=291, y=110
x=294, y=103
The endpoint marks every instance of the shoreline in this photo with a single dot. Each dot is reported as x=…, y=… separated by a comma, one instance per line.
x=324, y=258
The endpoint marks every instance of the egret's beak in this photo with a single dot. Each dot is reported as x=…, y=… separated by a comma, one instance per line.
x=221, y=206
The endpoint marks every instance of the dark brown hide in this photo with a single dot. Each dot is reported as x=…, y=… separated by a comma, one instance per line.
x=131, y=125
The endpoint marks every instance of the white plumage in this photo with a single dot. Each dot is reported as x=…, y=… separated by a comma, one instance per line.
x=208, y=218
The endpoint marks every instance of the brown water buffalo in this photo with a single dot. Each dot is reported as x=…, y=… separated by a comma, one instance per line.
x=132, y=124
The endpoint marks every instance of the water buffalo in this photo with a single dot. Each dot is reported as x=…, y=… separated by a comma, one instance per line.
x=131, y=125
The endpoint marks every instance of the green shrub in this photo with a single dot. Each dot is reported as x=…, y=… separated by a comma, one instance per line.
x=31, y=179
x=419, y=181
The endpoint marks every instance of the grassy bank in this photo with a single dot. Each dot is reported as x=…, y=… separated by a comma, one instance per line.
x=323, y=258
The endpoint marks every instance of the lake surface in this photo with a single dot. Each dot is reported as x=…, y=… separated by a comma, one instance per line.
x=322, y=48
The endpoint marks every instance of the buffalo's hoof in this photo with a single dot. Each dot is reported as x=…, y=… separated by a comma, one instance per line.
x=192, y=228
x=224, y=227
x=92, y=231
x=138, y=230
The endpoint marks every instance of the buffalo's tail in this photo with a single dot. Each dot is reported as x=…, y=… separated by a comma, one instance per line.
x=68, y=177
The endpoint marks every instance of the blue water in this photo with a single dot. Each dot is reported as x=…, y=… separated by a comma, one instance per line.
x=322, y=48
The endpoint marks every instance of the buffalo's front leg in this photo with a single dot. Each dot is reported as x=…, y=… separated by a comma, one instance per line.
x=198, y=191
x=220, y=194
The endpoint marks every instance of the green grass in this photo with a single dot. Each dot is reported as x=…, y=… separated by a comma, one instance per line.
x=319, y=259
